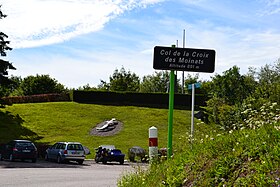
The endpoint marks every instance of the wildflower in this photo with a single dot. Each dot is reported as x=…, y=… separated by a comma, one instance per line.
x=277, y=128
x=231, y=131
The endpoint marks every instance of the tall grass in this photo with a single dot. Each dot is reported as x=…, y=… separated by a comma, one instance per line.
x=246, y=157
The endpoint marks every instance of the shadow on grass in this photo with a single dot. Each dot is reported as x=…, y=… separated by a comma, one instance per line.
x=11, y=128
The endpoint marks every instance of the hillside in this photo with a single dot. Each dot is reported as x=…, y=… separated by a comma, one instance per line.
x=70, y=121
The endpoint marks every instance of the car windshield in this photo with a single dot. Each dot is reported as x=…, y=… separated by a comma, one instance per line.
x=74, y=147
x=24, y=145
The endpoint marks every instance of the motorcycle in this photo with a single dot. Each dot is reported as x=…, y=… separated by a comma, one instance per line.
x=101, y=154
x=109, y=155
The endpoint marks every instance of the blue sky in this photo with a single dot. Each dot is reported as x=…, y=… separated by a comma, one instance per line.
x=81, y=42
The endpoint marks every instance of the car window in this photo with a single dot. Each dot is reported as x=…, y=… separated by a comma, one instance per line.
x=75, y=147
x=55, y=146
x=62, y=146
x=58, y=146
x=24, y=145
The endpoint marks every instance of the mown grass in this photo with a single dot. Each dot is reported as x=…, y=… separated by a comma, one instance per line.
x=70, y=121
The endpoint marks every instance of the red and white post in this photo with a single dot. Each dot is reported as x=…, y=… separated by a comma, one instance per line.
x=153, y=143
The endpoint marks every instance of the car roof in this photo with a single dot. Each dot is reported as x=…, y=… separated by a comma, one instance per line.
x=21, y=141
x=69, y=142
x=108, y=146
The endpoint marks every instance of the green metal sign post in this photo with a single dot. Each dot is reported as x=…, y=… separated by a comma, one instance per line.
x=170, y=113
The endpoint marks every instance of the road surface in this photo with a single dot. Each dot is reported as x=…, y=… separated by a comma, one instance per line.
x=46, y=174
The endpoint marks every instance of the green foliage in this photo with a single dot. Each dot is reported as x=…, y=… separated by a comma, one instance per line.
x=4, y=64
x=244, y=157
x=222, y=114
x=269, y=82
x=124, y=81
x=158, y=82
x=40, y=84
x=267, y=113
x=239, y=158
x=231, y=86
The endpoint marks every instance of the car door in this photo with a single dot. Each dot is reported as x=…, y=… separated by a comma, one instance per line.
x=52, y=151
x=8, y=150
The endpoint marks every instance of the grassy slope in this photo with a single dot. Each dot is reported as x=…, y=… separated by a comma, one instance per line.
x=70, y=121
x=240, y=158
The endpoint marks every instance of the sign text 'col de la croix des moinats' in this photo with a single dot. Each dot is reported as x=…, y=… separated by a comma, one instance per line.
x=184, y=59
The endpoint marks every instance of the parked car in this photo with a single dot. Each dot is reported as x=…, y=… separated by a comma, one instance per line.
x=108, y=153
x=19, y=149
x=65, y=152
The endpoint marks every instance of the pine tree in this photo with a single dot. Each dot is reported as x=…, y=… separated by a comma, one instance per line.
x=4, y=64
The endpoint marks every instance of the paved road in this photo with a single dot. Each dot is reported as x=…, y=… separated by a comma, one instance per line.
x=43, y=173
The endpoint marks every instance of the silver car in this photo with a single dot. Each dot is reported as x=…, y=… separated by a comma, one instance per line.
x=65, y=152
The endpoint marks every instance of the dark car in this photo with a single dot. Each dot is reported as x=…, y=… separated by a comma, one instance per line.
x=19, y=149
x=65, y=152
x=108, y=153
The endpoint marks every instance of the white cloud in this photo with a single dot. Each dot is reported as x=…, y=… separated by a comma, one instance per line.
x=32, y=23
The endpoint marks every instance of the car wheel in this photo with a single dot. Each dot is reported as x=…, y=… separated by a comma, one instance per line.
x=121, y=162
x=80, y=162
x=59, y=159
x=46, y=157
x=11, y=158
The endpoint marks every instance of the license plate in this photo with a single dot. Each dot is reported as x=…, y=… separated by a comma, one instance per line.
x=26, y=151
x=75, y=152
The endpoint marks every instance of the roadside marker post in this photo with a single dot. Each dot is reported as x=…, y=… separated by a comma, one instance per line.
x=153, y=143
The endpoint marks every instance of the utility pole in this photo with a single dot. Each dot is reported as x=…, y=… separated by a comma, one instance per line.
x=183, y=76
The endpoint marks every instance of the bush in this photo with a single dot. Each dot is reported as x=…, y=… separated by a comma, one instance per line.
x=37, y=98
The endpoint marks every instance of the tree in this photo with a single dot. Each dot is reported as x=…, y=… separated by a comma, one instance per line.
x=4, y=64
x=104, y=86
x=232, y=86
x=13, y=88
x=40, y=84
x=124, y=81
x=158, y=82
x=269, y=82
